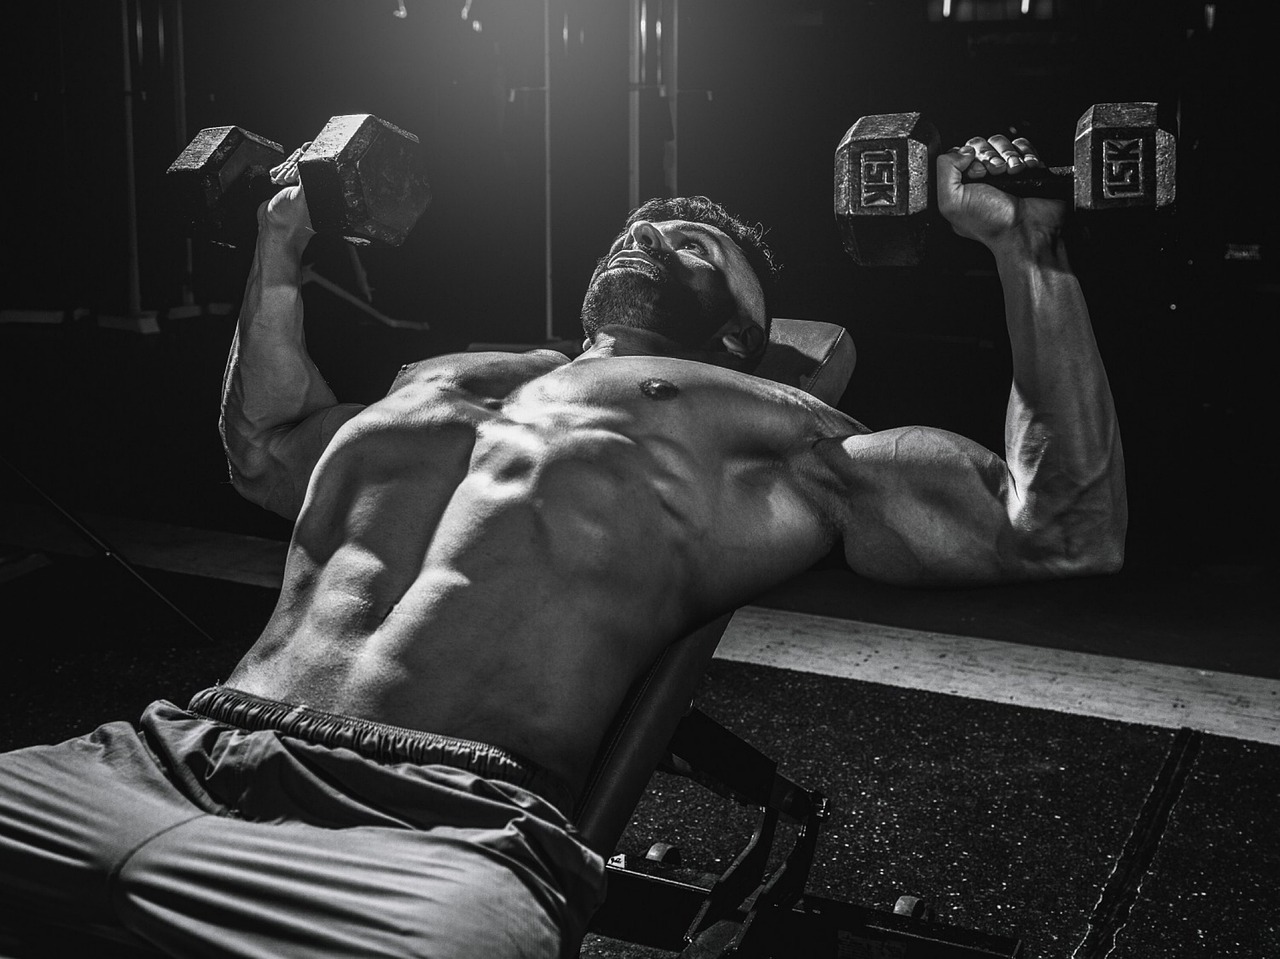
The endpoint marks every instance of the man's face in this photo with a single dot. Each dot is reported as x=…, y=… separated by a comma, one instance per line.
x=687, y=281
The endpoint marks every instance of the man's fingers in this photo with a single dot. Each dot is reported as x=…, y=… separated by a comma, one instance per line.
x=997, y=154
x=956, y=164
x=987, y=154
x=1010, y=157
x=961, y=157
x=981, y=157
x=1028, y=152
x=286, y=174
x=971, y=159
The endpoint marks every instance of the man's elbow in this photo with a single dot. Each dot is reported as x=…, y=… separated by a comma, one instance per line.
x=1084, y=538
x=1103, y=554
x=1105, y=560
x=254, y=479
x=247, y=481
x=1097, y=555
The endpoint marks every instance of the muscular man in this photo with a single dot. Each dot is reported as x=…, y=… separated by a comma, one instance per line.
x=484, y=560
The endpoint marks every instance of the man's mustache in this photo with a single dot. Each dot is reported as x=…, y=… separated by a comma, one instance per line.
x=652, y=263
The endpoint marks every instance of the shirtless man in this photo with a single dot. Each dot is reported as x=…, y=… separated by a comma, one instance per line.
x=484, y=560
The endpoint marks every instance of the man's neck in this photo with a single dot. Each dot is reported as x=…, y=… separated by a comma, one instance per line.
x=630, y=341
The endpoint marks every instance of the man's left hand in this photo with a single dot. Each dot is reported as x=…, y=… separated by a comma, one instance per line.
x=980, y=211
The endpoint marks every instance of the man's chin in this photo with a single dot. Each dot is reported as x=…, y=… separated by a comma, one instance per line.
x=632, y=297
x=623, y=297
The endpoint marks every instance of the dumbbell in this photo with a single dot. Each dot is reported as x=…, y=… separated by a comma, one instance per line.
x=885, y=195
x=363, y=179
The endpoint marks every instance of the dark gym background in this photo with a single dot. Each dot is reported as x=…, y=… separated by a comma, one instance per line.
x=122, y=422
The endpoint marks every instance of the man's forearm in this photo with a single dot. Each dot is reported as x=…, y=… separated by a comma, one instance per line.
x=1062, y=439
x=271, y=382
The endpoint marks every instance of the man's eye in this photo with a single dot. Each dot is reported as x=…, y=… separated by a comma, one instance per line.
x=696, y=245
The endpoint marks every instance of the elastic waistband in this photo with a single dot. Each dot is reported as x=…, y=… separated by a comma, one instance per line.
x=378, y=741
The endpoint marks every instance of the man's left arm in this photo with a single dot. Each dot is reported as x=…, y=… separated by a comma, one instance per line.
x=1062, y=438
x=925, y=506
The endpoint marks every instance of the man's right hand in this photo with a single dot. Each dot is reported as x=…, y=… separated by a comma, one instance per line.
x=286, y=215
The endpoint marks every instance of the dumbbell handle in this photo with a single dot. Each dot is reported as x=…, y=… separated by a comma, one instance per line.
x=1051, y=183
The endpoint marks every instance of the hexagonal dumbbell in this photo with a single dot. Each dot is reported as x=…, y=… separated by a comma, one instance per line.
x=885, y=195
x=363, y=179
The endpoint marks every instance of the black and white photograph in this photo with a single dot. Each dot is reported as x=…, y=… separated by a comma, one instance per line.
x=624, y=479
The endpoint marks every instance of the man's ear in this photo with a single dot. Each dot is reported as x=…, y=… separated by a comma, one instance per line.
x=744, y=342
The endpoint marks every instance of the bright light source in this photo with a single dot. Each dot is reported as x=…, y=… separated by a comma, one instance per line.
x=475, y=25
x=644, y=29
x=946, y=9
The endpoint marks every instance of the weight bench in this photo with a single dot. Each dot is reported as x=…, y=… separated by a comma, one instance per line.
x=748, y=910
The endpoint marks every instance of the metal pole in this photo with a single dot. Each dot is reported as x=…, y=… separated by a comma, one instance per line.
x=131, y=188
x=635, y=72
x=546, y=165
x=673, y=98
x=180, y=135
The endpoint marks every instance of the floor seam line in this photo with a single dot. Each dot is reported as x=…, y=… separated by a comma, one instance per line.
x=1111, y=912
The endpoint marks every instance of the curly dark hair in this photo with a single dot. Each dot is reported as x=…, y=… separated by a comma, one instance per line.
x=700, y=209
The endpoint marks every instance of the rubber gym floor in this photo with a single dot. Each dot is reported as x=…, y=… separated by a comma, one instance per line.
x=999, y=751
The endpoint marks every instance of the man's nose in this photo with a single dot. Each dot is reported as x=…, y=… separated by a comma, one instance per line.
x=648, y=238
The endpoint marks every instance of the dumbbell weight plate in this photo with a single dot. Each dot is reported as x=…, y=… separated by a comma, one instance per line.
x=364, y=179
x=884, y=188
x=1123, y=159
x=220, y=179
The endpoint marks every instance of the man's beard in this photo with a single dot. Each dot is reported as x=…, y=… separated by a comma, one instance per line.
x=646, y=297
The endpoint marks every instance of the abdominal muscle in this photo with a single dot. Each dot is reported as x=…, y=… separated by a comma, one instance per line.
x=503, y=576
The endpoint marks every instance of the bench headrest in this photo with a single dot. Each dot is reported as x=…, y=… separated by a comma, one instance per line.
x=815, y=356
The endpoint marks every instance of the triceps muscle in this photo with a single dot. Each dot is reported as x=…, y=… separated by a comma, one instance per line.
x=923, y=506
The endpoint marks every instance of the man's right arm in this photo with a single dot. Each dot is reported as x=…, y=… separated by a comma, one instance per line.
x=278, y=414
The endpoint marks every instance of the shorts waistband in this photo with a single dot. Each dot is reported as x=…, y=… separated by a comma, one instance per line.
x=378, y=741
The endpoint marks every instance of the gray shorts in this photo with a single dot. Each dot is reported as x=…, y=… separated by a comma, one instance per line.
x=245, y=827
